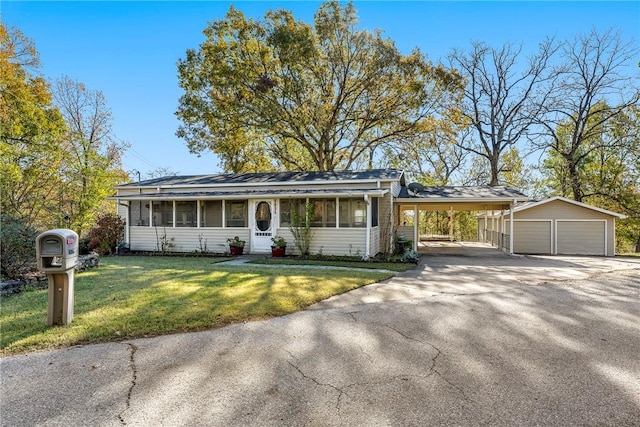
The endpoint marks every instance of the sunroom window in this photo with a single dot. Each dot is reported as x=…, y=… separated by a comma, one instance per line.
x=186, y=213
x=353, y=213
x=163, y=213
x=139, y=212
x=211, y=213
x=236, y=213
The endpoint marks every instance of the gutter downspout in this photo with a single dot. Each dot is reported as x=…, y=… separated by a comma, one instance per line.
x=368, y=234
x=127, y=221
x=513, y=204
x=416, y=222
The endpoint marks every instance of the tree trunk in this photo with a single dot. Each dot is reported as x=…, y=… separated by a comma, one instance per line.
x=576, y=187
x=495, y=172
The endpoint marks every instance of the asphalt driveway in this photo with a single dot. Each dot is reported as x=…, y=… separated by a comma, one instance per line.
x=462, y=340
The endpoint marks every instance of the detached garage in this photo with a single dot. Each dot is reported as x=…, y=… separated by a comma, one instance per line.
x=564, y=227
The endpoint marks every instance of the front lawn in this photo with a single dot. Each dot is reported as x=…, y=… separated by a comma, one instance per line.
x=130, y=297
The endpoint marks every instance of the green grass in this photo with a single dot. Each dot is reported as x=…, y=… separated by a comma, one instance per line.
x=393, y=266
x=133, y=296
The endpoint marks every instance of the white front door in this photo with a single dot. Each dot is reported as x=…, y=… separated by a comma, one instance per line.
x=262, y=225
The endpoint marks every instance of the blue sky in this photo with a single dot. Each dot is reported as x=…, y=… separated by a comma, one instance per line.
x=129, y=50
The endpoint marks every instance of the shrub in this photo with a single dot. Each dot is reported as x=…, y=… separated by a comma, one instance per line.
x=106, y=234
x=17, y=246
x=83, y=246
x=301, y=228
x=411, y=256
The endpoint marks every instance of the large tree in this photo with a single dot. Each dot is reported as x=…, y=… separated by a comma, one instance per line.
x=31, y=128
x=306, y=97
x=503, y=98
x=92, y=165
x=593, y=89
x=608, y=169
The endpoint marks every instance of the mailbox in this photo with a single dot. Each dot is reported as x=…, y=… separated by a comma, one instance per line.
x=57, y=250
x=57, y=255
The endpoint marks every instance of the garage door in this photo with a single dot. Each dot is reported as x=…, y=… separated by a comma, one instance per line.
x=531, y=237
x=581, y=237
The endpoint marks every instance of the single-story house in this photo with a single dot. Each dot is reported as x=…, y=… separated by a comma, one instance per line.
x=354, y=213
x=188, y=213
x=556, y=226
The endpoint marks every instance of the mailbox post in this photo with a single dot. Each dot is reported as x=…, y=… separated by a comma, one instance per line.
x=57, y=255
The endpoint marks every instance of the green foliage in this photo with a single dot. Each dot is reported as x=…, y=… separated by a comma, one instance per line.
x=59, y=161
x=282, y=93
x=411, y=256
x=301, y=228
x=236, y=241
x=17, y=246
x=31, y=128
x=92, y=165
x=106, y=234
x=278, y=242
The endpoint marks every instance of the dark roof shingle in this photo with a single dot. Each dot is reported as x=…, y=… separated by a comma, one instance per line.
x=267, y=177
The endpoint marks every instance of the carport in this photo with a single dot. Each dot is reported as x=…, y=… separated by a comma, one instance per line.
x=494, y=201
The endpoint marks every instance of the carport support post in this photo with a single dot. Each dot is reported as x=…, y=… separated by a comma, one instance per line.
x=416, y=224
x=513, y=204
x=451, y=239
x=484, y=232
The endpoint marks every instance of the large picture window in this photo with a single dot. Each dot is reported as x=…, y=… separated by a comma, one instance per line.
x=236, y=213
x=163, y=213
x=211, y=213
x=186, y=213
x=139, y=213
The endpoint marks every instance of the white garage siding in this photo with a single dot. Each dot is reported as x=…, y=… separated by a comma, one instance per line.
x=531, y=236
x=581, y=237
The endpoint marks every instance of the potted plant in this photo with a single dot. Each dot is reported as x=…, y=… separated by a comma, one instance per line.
x=236, y=246
x=278, y=247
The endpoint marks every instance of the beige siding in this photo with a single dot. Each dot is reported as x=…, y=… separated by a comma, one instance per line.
x=581, y=237
x=185, y=239
x=375, y=241
x=330, y=241
x=559, y=210
x=531, y=237
x=395, y=188
x=128, y=191
x=122, y=210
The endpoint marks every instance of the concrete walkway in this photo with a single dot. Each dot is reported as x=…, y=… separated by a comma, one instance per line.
x=246, y=259
x=459, y=341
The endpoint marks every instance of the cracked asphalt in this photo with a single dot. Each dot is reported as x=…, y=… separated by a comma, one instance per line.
x=461, y=340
